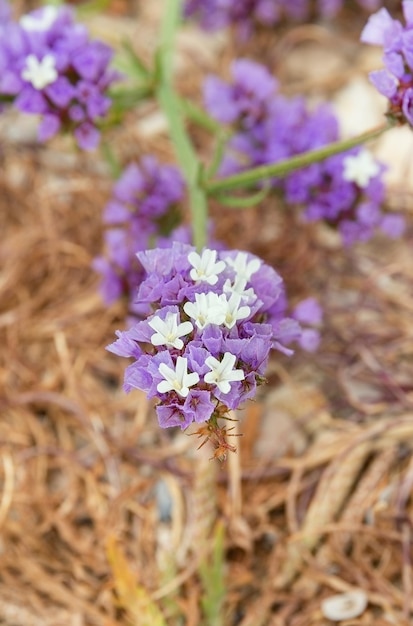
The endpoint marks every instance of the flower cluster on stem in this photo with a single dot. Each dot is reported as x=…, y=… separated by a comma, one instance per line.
x=49, y=66
x=345, y=190
x=142, y=212
x=204, y=348
x=395, y=81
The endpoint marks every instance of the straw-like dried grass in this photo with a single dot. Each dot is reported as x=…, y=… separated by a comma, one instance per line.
x=102, y=515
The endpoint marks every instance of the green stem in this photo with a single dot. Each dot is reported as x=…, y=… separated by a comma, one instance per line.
x=199, y=116
x=282, y=168
x=171, y=105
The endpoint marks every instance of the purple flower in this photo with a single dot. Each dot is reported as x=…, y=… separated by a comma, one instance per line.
x=308, y=311
x=206, y=353
x=198, y=405
x=245, y=14
x=346, y=191
x=245, y=101
x=51, y=67
x=396, y=81
x=144, y=202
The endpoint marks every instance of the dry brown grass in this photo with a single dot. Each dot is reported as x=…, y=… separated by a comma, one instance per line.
x=85, y=472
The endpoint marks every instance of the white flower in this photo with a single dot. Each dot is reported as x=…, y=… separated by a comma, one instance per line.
x=41, y=21
x=238, y=286
x=40, y=73
x=178, y=379
x=205, y=267
x=168, y=331
x=207, y=309
x=360, y=168
x=222, y=372
x=232, y=310
x=244, y=269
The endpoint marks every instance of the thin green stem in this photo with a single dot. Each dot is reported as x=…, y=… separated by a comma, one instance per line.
x=199, y=116
x=282, y=168
x=171, y=105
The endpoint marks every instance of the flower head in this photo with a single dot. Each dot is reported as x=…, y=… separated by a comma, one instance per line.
x=51, y=67
x=168, y=331
x=270, y=127
x=205, y=267
x=177, y=379
x=222, y=372
x=205, y=347
x=395, y=81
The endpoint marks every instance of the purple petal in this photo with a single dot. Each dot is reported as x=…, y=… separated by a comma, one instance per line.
x=384, y=82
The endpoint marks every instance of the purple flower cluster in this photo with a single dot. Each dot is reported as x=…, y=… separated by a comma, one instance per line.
x=50, y=66
x=396, y=80
x=346, y=191
x=205, y=347
x=243, y=14
x=141, y=213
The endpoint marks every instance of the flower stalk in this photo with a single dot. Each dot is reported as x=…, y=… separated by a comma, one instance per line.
x=171, y=105
x=282, y=168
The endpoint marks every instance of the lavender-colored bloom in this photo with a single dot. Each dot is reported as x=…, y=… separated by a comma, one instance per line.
x=245, y=101
x=310, y=339
x=199, y=371
x=346, y=190
x=396, y=81
x=392, y=225
x=308, y=311
x=5, y=14
x=245, y=14
x=50, y=66
x=143, y=206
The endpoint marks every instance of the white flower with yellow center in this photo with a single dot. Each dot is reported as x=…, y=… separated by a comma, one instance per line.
x=222, y=372
x=40, y=73
x=168, y=331
x=232, y=310
x=360, y=168
x=177, y=379
x=207, y=309
x=205, y=267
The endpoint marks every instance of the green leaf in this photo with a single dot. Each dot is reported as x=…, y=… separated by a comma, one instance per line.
x=137, y=66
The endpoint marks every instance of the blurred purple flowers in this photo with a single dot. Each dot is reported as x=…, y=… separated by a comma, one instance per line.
x=205, y=347
x=49, y=66
x=243, y=14
x=396, y=80
x=143, y=212
x=346, y=191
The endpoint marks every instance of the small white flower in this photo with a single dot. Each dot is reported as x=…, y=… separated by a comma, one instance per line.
x=207, y=309
x=222, y=372
x=178, y=379
x=239, y=287
x=244, y=269
x=41, y=21
x=205, y=267
x=360, y=168
x=168, y=331
x=40, y=73
x=232, y=310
